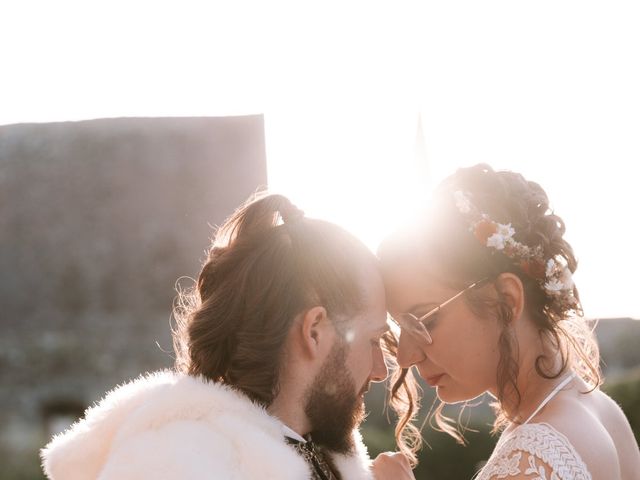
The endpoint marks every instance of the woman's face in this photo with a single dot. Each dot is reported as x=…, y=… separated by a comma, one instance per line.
x=462, y=360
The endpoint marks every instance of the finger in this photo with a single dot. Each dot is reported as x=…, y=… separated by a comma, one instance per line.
x=403, y=460
x=394, y=457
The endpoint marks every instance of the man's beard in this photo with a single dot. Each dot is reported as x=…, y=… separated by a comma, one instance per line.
x=333, y=405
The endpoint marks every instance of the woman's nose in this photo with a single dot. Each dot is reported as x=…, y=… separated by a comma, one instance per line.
x=409, y=351
x=379, y=371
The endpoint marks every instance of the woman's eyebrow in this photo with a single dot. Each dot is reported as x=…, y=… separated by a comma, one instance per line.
x=422, y=306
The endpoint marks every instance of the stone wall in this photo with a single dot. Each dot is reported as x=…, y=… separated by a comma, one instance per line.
x=98, y=219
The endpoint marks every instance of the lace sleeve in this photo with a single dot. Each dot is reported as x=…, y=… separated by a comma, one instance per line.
x=537, y=452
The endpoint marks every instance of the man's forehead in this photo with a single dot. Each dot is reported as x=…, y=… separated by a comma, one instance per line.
x=369, y=325
x=382, y=326
x=376, y=325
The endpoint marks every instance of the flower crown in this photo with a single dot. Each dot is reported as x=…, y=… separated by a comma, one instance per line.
x=553, y=275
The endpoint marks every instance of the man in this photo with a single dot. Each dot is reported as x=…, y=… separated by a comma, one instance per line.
x=276, y=347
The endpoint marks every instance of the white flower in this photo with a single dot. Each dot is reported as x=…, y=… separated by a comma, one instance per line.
x=501, y=237
x=521, y=250
x=462, y=201
x=537, y=251
x=505, y=230
x=551, y=267
x=554, y=287
x=496, y=241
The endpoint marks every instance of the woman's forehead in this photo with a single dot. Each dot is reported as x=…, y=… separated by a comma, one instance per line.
x=407, y=273
x=410, y=285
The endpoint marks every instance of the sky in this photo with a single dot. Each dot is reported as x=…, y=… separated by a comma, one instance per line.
x=546, y=88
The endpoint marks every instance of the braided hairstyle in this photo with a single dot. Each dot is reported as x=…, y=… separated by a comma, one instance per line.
x=444, y=234
x=267, y=264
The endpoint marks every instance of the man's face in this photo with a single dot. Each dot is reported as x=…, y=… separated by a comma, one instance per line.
x=334, y=407
x=335, y=402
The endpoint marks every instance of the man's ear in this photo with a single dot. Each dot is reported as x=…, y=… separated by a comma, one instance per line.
x=316, y=332
x=511, y=290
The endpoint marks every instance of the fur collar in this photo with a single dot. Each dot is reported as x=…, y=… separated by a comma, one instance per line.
x=165, y=425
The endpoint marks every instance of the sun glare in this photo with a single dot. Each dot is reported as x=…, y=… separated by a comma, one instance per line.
x=548, y=89
x=333, y=169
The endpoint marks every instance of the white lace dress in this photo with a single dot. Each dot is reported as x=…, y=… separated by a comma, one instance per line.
x=537, y=451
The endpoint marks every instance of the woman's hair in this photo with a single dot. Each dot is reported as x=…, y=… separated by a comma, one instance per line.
x=268, y=263
x=404, y=396
x=445, y=239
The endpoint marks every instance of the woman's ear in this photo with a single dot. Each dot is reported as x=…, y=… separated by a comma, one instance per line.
x=511, y=289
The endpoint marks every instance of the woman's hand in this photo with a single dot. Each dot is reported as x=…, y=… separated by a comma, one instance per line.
x=393, y=466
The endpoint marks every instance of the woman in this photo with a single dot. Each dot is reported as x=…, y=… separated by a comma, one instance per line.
x=482, y=291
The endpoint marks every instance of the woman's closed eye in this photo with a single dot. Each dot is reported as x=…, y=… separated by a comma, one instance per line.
x=415, y=318
x=430, y=321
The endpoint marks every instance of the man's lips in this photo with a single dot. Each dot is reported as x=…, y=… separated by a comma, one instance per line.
x=434, y=379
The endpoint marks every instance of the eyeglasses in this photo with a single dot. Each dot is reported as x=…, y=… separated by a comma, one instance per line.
x=415, y=325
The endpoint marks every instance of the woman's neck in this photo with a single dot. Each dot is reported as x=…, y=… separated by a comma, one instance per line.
x=532, y=387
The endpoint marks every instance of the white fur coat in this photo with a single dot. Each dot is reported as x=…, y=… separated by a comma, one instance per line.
x=170, y=426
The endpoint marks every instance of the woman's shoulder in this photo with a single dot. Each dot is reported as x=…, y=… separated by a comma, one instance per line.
x=537, y=449
x=576, y=437
x=587, y=424
x=619, y=430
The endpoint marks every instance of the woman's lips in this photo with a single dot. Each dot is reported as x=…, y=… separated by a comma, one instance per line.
x=434, y=379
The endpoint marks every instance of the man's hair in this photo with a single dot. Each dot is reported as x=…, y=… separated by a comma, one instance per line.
x=267, y=264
